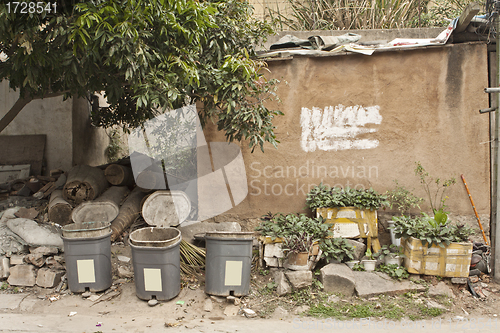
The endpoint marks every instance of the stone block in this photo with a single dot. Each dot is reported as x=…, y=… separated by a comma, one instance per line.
x=282, y=285
x=4, y=268
x=359, y=248
x=459, y=280
x=299, y=279
x=46, y=278
x=338, y=278
x=22, y=275
x=45, y=250
x=16, y=259
x=273, y=255
x=36, y=259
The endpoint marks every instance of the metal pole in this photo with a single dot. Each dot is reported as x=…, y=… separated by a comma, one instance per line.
x=495, y=231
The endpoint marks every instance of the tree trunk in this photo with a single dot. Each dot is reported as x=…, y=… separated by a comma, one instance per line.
x=129, y=211
x=59, y=209
x=84, y=183
x=19, y=105
x=13, y=112
x=105, y=208
x=119, y=175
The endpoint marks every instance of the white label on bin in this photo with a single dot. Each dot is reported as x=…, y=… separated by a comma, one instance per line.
x=234, y=271
x=86, y=271
x=152, y=279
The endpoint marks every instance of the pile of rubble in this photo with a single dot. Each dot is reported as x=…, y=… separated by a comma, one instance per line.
x=31, y=253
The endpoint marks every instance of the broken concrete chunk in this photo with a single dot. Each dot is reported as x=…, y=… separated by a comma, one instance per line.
x=16, y=260
x=46, y=278
x=299, y=279
x=338, y=278
x=282, y=285
x=459, y=280
x=249, y=313
x=4, y=268
x=359, y=248
x=22, y=275
x=124, y=259
x=34, y=234
x=36, y=259
x=54, y=264
x=124, y=272
x=45, y=250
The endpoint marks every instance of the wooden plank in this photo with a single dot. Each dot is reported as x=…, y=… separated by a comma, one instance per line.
x=469, y=12
x=23, y=149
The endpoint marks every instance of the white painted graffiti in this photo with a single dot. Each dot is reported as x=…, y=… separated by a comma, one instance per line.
x=336, y=128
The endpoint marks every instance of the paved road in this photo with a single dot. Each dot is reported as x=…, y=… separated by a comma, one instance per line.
x=127, y=314
x=13, y=322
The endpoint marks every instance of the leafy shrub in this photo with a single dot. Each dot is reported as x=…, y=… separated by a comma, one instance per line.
x=336, y=249
x=323, y=196
x=429, y=231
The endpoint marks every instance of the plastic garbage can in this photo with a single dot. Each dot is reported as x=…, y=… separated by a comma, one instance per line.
x=228, y=263
x=156, y=261
x=87, y=252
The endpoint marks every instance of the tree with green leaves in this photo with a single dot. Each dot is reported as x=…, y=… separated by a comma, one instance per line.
x=147, y=57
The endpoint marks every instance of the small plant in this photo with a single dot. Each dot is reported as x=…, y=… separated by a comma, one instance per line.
x=394, y=271
x=297, y=243
x=282, y=226
x=402, y=199
x=387, y=250
x=435, y=193
x=4, y=286
x=322, y=196
x=369, y=254
x=336, y=249
x=263, y=272
x=358, y=267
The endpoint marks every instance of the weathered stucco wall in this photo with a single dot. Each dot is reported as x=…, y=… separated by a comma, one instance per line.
x=407, y=106
x=49, y=116
x=70, y=138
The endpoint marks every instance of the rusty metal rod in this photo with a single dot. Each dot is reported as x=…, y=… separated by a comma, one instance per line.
x=475, y=211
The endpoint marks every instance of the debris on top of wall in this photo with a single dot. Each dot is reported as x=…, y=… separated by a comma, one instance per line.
x=318, y=45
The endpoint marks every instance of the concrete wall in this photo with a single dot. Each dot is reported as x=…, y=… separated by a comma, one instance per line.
x=70, y=138
x=413, y=105
x=50, y=116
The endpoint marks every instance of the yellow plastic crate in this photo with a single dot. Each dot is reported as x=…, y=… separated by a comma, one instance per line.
x=450, y=261
x=350, y=222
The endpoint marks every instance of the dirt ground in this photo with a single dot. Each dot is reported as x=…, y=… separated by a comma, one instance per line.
x=119, y=307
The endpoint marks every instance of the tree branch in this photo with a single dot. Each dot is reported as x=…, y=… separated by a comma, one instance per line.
x=18, y=106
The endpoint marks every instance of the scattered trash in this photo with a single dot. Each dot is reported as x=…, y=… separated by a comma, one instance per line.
x=71, y=314
x=99, y=324
x=466, y=313
x=180, y=303
x=249, y=313
x=152, y=302
x=54, y=298
x=172, y=324
x=86, y=294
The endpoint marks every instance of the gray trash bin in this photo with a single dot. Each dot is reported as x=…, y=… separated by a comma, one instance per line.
x=228, y=263
x=156, y=261
x=87, y=252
